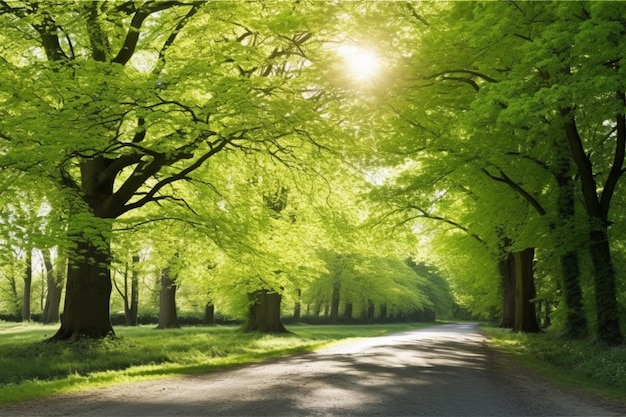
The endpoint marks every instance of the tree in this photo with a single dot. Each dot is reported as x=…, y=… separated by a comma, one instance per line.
x=131, y=111
x=515, y=107
x=168, y=317
x=28, y=279
x=130, y=291
x=559, y=48
x=54, y=287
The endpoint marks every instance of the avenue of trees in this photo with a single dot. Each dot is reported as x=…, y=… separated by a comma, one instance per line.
x=227, y=157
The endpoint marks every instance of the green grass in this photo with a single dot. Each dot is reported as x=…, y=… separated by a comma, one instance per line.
x=31, y=368
x=580, y=364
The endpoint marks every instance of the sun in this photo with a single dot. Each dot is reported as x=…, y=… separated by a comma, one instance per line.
x=361, y=64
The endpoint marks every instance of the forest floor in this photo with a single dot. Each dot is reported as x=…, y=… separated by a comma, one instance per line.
x=440, y=371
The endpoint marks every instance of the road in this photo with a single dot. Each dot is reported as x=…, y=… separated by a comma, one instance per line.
x=441, y=371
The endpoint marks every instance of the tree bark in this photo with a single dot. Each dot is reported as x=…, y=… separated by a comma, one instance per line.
x=88, y=288
x=606, y=301
x=507, y=275
x=88, y=291
x=131, y=307
x=168, y=317
x=28, y=280
x=264, y=313
x=597, y=209
x=347, y=312
x=297, y=308
x=371, y=310
x=525, y=312
x=334, y=300
x=576, y=326
x=54, y=285
x=209, y=312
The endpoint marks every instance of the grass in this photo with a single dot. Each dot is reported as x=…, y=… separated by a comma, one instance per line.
x=31, y=368
x=581, y=364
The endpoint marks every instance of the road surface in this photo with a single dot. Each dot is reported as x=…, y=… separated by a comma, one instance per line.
x=441, y=371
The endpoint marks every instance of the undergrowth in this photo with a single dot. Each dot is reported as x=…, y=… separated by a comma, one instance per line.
x=582, y=363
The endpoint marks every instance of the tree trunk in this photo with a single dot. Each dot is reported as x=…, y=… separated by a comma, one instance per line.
x=87, y=293
x=525, y=311
x=383, y=312
x=347, y=312
x=88, y=287
x=209, y=312
x=371, y=310
x=131, y=301
x=597, y=209
x=264, y=313
x=297, y=308
x=28, y=280
x=604, y=277
x=334, y=301
x=168, y=318
x=54, y=285
x=507, y=275
x=576, y=326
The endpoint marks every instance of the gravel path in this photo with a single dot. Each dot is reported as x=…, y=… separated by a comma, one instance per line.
x=441, y=371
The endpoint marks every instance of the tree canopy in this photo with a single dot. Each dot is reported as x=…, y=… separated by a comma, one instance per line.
x=348, y=155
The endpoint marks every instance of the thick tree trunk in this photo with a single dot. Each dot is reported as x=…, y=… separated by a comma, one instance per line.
x=168, y=317
x=576, y=325
x=525, y=311
x=597, y=209
x=54, y=285
x=87, y=293
x=604, y=277
x=88, y=286
x=507, y=275
x=383, y=312
x=28, y=280
x=264, y=313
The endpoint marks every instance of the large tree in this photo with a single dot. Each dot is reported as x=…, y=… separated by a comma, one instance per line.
x=566, y=77
x=512, y=97
x=136, y=97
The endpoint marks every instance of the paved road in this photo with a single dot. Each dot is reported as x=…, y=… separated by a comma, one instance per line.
x=441, y=371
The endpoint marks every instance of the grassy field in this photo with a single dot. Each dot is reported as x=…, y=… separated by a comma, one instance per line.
x=580, y=364
x=31, y=368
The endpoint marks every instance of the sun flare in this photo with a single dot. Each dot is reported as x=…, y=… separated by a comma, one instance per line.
x=361, y=64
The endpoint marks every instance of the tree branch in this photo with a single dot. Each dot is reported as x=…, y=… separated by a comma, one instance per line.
x=505, y=179
x=618, y=159
x=172, y=37
x=424, y=214
x=132, y=184
x=132, y=36
x=462, y=71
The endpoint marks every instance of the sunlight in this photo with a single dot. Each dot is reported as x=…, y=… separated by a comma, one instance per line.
x=361, y=64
